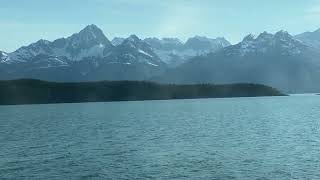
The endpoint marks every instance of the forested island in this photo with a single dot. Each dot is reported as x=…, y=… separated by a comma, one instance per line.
x=30, y=91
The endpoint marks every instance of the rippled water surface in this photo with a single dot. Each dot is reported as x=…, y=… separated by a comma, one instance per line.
x=240, y=138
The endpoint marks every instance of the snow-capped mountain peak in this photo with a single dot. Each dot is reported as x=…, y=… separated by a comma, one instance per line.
x=132, y=41
x=281, y=42
x=88, y=37
x=42, y=42
x=133, y=38
x=134, y=50
x=91, y=29
x=91, y=32
x=265, y=36
x=282, y=34
x=89, y=42
x=222, y=41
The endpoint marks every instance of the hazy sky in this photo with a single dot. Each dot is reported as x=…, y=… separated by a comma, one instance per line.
x=26, y=21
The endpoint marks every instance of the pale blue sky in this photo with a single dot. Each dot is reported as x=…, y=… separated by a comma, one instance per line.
x=26, y=21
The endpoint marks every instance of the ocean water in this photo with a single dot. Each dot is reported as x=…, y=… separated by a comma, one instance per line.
x=235, y=138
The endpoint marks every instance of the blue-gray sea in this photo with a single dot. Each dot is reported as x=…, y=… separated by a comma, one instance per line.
x=234, y=138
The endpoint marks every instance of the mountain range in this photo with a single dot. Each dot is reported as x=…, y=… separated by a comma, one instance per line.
x=289, y=63
x=90, y=56
x=174, y=53
x=279, y=60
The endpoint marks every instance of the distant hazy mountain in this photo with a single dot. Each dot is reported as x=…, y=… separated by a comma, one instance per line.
x=165, y=43
x=87, y=55
x=310, y=38
x=204, y=44
x=278, y=60
x=173, y=52
x=117, y=41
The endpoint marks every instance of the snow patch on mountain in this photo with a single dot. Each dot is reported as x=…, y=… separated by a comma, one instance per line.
x=143, y=52
x=3, y=57
x=152, y=64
